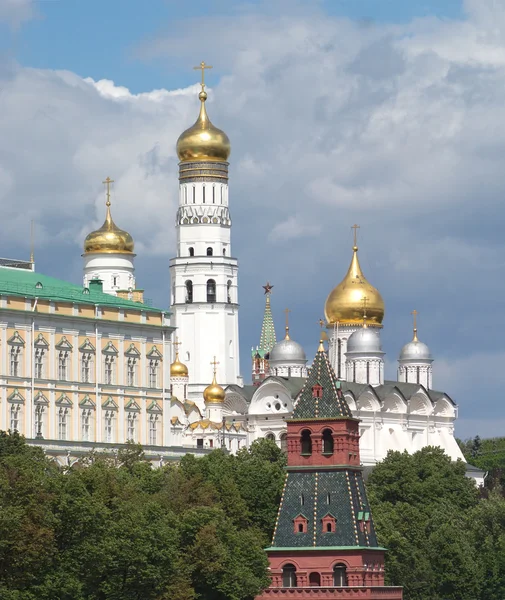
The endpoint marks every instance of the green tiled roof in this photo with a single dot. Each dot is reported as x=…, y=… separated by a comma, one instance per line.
x=332, y=404
x=339, y=493
x=28, y=284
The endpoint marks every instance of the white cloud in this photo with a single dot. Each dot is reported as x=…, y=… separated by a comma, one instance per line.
x=15, y=12
x=399, y=128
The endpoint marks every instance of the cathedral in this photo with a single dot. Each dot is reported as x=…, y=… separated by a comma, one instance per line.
x=94, y=366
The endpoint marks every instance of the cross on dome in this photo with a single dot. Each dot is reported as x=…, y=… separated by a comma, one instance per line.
x=355, y=227
x=203, y=66
x=107, y=182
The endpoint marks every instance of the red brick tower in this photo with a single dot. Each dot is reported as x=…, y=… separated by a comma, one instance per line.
x=324, y=543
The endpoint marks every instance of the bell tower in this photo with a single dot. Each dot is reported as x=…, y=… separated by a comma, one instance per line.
x=204, y=274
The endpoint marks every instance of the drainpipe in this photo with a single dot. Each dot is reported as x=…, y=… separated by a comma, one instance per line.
x=32, y=368
x=97, y=376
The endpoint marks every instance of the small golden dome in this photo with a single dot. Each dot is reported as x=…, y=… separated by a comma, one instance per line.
x=213, y=393
x=346, y=304
x=109, y=239
x=203, y=141
x=178, y=369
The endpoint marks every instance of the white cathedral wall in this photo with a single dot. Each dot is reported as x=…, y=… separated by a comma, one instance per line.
x=116, y=271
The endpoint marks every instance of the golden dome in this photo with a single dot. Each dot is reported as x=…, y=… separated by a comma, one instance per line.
x=346, y=303
x=178, y=369
x=213, y=393
x=203, y=141
x=109, y=239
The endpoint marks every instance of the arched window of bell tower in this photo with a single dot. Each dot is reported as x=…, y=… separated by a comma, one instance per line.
x=191, y=251
x=203, y=193
x=214, y=194
x=211, y=291
x=222, y=194
x=210, y=252
x=189, y=291
x=194, y=194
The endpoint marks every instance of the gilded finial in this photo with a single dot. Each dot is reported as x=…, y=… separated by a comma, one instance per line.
x=286, y=312
x=268, y=290
x=414, y=314
x=355, y=227
x=107, y=182
x=214, y=364
x=176, y=345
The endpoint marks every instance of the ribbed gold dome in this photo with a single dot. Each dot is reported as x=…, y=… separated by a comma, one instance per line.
x=178, y=369
x=213, y=393
x=345, y=303
x=109, y=239
x=203, y=142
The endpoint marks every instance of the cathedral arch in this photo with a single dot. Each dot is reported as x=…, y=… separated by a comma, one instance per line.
x=443, y=408
x=351, y=400
x=211, y=291
x=420, y=405
x=394, y=403
x=368, y=402
x=234, y=404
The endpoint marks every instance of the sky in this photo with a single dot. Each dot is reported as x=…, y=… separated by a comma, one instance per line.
x=385, y=113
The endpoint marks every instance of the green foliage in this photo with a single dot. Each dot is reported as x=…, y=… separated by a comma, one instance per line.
x=116, y=529
x=444, y=541
x=488, y=455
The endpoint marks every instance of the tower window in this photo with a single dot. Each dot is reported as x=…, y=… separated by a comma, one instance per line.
x=213, y=194
x=306, y=443
x=210, y=252
x=224, y=251
x=191, y=251
x=418, y=374
x=289, y=576
x=211, y=291
x=189, y=291
x=339, y=576
x=228, y=290
x=203, y=194
x=114, y=280
x=327, y=441
x=317, y=391
x=368, y=372
x=221, y=194
x=194, y=194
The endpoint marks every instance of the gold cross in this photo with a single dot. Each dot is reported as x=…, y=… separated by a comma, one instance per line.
x=177, y=344
x=321, y=323
x=414, y=313
x=214, y=363
x=355, y=227
x=286, y=312
x=203, y=66
x=107, y=182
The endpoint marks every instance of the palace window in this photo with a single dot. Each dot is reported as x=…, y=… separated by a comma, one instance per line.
x=131, y=429
x=153, y=430
x=315, y=580
x=211, y=291
x=15, y=356
x=289, y=576
x=109, y=369
x=131, y=371
x=39, y=363
x=109, y=425
x=153, y=373
x=15, y=413
x=86, y=367
x=86, y=424
x=62, y=423
x=63, y=366
x=39, y=421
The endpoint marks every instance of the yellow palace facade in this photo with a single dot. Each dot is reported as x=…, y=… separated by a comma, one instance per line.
x=81, y=369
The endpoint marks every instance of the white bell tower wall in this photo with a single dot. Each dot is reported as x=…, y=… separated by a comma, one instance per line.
x=204, y=277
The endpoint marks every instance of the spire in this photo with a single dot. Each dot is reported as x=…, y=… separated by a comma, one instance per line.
x=414, y=315
x=286, y=312
x=268, y=338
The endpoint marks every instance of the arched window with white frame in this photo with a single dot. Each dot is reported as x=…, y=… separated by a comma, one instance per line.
x=153, y=429
x=15, y=417
x=38, y=422
x=109, y=422
x=131, y=426
x=15, y=353
x=63, y=414
x=86, y=429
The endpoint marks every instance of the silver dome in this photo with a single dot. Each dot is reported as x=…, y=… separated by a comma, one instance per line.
x=415, y=350
x=287, y=351
x=366, y=339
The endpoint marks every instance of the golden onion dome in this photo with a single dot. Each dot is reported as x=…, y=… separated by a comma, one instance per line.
x=203, y=142
x=109, y=239
x=213, y=393
x=346, y=303
x=177, y=368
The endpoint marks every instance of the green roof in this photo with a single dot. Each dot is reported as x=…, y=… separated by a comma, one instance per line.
x=340, y=494
x=267, y=339
x=331, y=404
x=28, y=284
